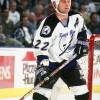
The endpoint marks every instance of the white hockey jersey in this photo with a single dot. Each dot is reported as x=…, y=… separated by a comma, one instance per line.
x=56, y=40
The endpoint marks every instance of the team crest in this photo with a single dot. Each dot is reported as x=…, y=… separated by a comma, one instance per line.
x=46, y=30
x=65, y=41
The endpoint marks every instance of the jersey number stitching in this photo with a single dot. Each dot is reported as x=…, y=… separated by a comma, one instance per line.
x=44, y=47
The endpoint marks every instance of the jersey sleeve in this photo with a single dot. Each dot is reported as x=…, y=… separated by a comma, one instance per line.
x=83, y=31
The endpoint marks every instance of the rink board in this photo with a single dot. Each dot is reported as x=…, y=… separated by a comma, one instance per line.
x=17, y=72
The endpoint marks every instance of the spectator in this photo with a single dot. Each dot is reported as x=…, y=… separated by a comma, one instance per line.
x=83, y=11
x=32, y=3
x=2, y=36
x=1, y=29
x=98, y=17
x=41, y=2
x=94, y=25
x=39, y=11
x=2, y=40
x=79, y=1
x=7, y=41
x=23, y=6
x=33, y=22
x=75, y=6
x=22, y=32
x=4, y=7
x=82, y=1
x=13, y=15
x=91, y=7
x=49, y=9
x=8, y=27
x=11, y=42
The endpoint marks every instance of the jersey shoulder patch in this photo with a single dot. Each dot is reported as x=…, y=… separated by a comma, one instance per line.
x=49, y=26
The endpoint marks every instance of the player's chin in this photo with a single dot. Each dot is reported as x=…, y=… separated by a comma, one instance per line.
x=66, y=11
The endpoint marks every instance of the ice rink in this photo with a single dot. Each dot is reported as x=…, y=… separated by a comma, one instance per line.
x=60, y=92
x=59, y=97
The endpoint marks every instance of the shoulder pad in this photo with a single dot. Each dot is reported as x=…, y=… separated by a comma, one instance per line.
x=49, y=25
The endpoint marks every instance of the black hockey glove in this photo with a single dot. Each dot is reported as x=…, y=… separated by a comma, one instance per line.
x=81, y=49
x=42, y=70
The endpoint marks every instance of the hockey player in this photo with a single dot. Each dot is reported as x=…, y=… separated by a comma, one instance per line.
x=60, y=36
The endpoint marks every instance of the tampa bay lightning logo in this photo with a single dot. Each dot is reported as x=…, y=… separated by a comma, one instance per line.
x=46, y=30
x=65, y=41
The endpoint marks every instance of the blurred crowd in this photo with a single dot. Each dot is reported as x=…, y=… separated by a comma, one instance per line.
x=19, y=19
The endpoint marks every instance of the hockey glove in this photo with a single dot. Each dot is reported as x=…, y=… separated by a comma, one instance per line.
x=81, y=49
x=42, y=69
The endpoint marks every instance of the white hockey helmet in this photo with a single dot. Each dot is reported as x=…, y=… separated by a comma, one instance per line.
x=55, y=5
x=55, y=1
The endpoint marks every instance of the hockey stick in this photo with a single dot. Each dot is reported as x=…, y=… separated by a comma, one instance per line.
x=48, y=77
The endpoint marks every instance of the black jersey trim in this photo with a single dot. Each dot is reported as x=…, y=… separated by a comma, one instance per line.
x=50, y=22
x=73, y=13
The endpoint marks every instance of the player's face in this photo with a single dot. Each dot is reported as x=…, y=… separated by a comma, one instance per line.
x=64, y=6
